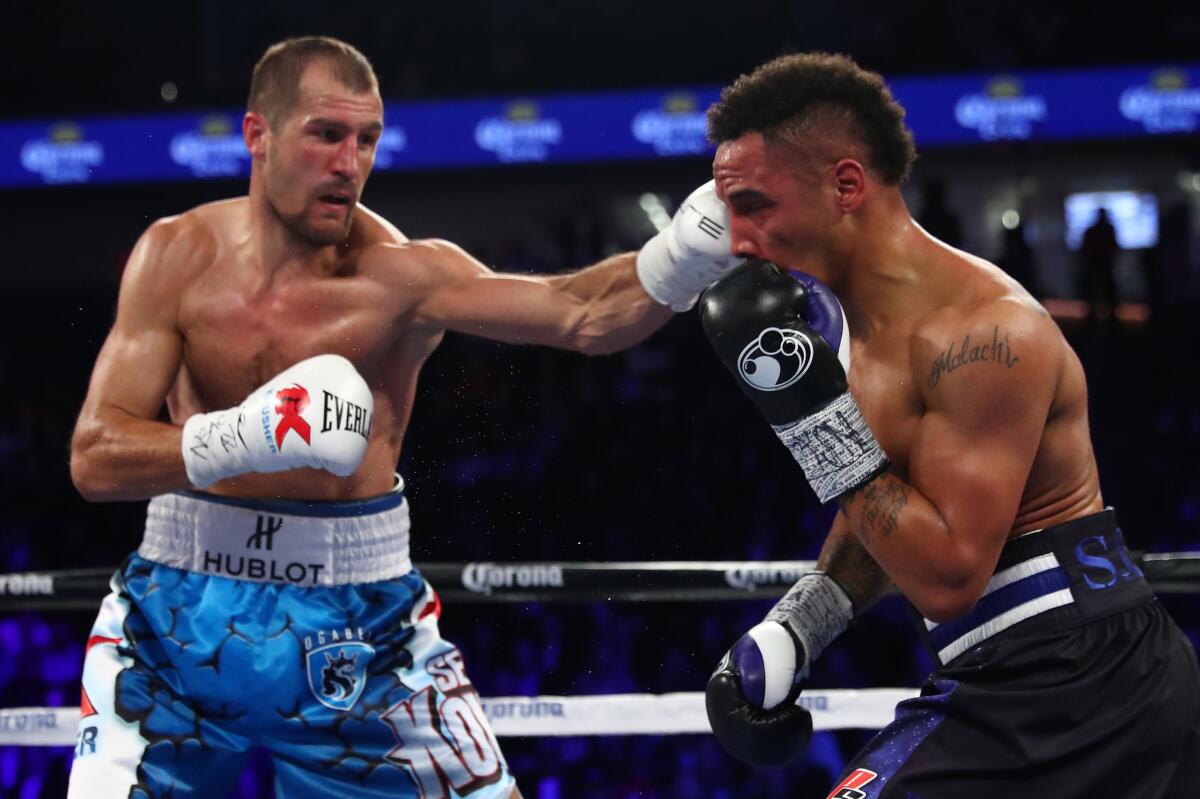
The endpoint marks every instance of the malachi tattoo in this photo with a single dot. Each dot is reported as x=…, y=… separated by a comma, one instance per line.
x=956, y=356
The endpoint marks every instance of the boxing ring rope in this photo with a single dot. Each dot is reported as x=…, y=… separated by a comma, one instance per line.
x=613, y=714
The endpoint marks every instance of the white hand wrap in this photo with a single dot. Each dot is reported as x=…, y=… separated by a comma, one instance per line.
x=315, y=414
x=688, y=254
x=816, y=610
x=835, y=448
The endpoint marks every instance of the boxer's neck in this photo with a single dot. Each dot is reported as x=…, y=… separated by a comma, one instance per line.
x=278, y=249
x=889, y=275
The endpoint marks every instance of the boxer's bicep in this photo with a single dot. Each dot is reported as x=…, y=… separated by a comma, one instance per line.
x=134, y=371
x=510, y=308
x=119, y=450
x=467, y=297
x=600, y=309
x=987, y=390
x=140, y=357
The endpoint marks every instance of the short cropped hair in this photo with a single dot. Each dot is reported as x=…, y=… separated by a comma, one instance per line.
x=798, y=96
x=275, y=85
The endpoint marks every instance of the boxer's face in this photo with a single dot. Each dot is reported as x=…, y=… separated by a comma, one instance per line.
x=320, y=155
x=781, y=207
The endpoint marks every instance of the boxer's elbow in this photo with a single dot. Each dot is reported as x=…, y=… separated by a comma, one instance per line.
x=947, y=584
x=949, y=595
x=85, y=477
x=944, y=606
x=87, y=472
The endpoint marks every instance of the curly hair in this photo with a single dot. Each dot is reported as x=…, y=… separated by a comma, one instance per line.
x=275, y=85
x=806, y=94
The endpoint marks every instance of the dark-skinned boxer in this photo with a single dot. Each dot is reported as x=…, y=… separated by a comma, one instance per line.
x=955, y=443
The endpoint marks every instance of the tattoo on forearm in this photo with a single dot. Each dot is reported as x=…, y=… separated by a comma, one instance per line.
x=958, y=355
x=845, y=560
x=882, y=500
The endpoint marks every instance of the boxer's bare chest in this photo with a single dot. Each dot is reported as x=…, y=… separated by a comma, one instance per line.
x=881, y=380
x=239, y=330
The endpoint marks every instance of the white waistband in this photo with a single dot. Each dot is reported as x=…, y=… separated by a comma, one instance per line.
x=306, y=544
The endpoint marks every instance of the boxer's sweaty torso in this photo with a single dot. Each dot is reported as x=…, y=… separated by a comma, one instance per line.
x=240, y=326
x=285, y=613
x=1066, y=665
x=891, y=368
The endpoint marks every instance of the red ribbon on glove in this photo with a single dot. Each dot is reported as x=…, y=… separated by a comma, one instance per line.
x=292, y=402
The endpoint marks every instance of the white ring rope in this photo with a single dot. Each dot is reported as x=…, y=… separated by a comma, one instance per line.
x=514, y=716
x=540, y=716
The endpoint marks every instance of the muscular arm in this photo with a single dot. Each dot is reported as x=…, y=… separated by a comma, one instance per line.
x=600, y=309
x=938, y=533
x=845, y=560
x=118, y=450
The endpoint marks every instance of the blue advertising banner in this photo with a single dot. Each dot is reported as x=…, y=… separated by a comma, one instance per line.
x=1051, y=106
x=942, y=111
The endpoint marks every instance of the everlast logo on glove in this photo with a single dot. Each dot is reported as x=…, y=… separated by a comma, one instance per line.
x=342, y=414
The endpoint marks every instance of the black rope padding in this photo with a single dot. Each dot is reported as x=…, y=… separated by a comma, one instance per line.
x=553, y=581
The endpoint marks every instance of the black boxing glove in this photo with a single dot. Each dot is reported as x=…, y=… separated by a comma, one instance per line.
x=751, y=698
x=784, y=337
x=754, y=736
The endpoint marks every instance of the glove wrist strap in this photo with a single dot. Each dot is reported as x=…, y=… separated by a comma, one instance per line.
x=662, y=278
x=212, y=448
x=835, y=448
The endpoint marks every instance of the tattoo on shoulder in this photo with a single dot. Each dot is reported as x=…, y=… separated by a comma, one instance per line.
x=971, y=350
x=882, y=501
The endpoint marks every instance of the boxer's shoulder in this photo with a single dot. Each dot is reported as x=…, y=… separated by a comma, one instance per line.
x=370, y=228
x=1002, y=337
x=420, y=264
x=173, y=251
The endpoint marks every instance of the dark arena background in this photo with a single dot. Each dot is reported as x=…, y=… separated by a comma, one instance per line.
x=541, y=137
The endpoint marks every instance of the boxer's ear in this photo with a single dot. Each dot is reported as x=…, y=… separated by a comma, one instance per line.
x=850, y=183
x=255, y=130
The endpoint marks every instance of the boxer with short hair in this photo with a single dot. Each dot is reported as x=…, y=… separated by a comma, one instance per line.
x=952, y=433
x=272, y=602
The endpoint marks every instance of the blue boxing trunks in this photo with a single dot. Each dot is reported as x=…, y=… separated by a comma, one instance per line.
x=1067, y=679
x=299, y=628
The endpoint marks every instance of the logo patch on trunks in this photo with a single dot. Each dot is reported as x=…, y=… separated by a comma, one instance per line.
x=850, y=788
x=337, y=673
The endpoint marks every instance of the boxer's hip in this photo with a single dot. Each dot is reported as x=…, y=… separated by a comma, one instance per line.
x=1065, y=672
x=1108, y=707
x=300, y=543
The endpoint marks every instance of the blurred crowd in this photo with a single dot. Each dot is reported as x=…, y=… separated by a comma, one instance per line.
x=206, y=49
x=518, y=453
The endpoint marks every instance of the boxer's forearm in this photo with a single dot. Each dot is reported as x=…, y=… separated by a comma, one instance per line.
x=845, y=560
x=115, y=456
x=616, y=311
x=938, y=570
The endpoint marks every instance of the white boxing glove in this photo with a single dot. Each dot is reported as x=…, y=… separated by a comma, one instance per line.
x=315, y=414
x=688, y=254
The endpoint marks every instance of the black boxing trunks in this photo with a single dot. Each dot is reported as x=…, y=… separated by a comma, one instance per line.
x=1067, y=679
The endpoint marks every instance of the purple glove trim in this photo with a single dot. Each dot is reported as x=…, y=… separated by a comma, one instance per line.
x=824, y=312
x=747, y=662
